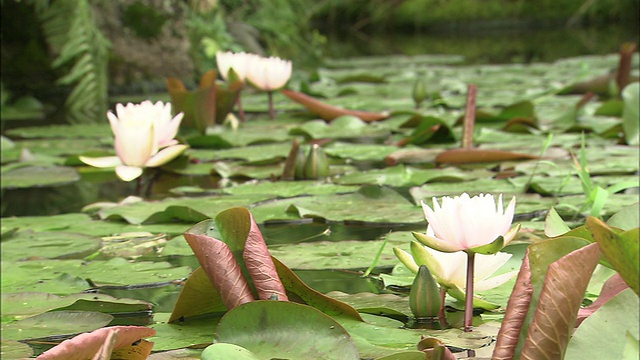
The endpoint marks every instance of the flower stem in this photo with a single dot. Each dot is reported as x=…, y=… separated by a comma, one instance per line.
x=441, y=315
x=468, y=306
x=272, y=112
x=240, y=109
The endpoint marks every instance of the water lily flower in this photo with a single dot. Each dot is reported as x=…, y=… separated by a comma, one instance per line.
x=450, y=271
x=269, y=74
x=470, y=224
x=240, y=63
x=144, y=137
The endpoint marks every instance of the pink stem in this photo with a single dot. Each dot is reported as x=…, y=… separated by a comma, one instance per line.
x=468, y=306
x=441, y=315
x=272, y=112
x=240, y=110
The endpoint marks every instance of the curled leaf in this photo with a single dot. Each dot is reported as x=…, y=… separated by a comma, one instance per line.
x=516, y=312
x=258, y=261
x=330, y=112
x=87, y=345
x=218, y=262
x=562, y=293
x=471, y=156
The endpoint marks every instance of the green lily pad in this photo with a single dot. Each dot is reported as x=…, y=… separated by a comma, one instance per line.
x=38, y=176
x=272, y=329
x=370, y=204
x=51, y=245
x=615, y=318
x=21, y=305
x=402, y=176
x=340, y=128
x=63, y=277
x=55, y=323
x=101, y=130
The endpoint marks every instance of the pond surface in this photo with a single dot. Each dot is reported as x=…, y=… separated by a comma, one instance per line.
x=329, y=230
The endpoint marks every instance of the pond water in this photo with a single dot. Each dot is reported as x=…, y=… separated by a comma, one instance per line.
x=488, y=45
x=381, y=198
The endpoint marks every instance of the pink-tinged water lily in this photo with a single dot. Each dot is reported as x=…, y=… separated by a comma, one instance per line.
x=269, y=74
x=450, y=271
x=239, y=62
x=144, y=137
x=472, y=224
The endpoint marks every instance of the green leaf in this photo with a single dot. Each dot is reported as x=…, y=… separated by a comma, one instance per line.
x=272, y=329
x=621, y=250
x=55, y=323
x=554, y=225
x=630, y=113
x=223, y=351
x=627, y=218
x=616, y=318
x=38, y=176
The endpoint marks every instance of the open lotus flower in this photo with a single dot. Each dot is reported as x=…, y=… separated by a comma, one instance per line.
x=472, y=224
x=449, y=269
x=269, y=74
x=144, y=137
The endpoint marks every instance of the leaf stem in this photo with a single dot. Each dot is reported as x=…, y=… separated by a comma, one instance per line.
x=240, y=109
x=469, y=117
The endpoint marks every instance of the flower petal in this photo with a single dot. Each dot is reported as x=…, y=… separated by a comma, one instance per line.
x=422, y=256
x=101, y=162
x=490, y=248
x=165, y=155
x=406, y=259
x=494, y=282
x=437, y=244
x=128, y=173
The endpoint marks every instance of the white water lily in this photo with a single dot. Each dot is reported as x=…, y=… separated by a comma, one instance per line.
x=466, y=223
x=450, y=271
x=269, y=74
x=144, y=137
x=239, y=62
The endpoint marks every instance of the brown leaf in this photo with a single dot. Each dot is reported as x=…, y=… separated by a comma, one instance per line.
x=258, y=261
x=517, y=309
x=562, y=293
x=218, y=262
x=330, y=112
x=612, y=287
x=471, y=156
x=87, y=345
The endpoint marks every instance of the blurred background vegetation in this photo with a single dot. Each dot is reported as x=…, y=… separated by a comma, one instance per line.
x=66, y=57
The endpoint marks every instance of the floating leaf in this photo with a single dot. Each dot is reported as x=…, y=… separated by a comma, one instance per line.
x=272, y=329
x=38, y=176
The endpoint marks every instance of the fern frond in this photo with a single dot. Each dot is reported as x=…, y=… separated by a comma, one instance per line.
x=73, y=34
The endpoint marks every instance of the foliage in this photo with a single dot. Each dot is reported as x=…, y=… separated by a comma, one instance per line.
x=82, y=51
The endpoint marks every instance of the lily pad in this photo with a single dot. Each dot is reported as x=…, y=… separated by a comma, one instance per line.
x=272, y=329
x=38, y=176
